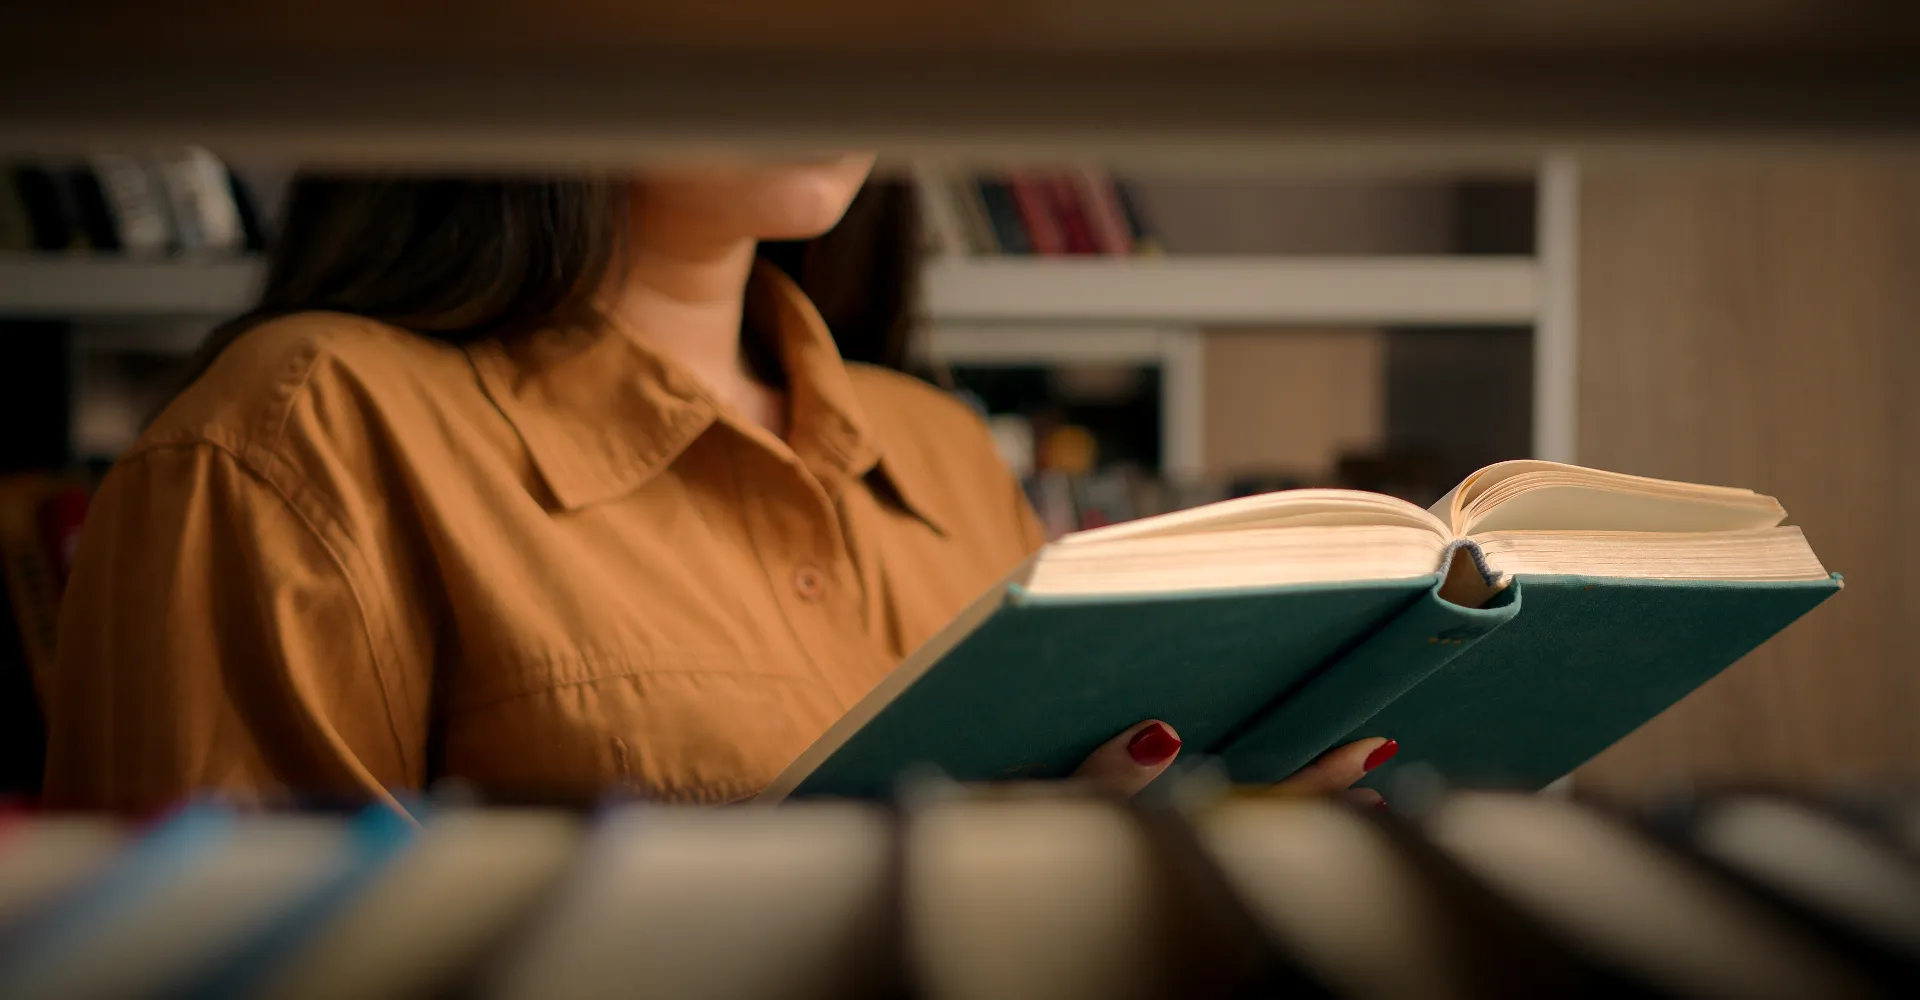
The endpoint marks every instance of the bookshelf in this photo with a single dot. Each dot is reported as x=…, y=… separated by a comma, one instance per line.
x=83, y=287
x=984, y=311
x=1221, y=291
x=1151, y=291
x=603, y=83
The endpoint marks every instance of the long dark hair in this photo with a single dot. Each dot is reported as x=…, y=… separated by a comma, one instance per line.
x=459, y=259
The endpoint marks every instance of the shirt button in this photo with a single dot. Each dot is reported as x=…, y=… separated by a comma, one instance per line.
x=809, y=583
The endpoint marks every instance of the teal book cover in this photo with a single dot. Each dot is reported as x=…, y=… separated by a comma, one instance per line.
x=1513, y=694
x=1585, y=662
x=1044, y=680
x=1531, y=619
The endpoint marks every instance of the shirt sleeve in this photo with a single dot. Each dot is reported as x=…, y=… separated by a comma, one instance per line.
x=212, y=638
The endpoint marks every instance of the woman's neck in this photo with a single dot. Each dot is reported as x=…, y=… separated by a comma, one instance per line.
x=685, y=299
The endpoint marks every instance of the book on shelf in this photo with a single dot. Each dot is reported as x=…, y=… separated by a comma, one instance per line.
x=93, y=217
x=182, y=200
x=1099, y=194
x=200, y=199
x=1009, y=233
x=1840, y=874
x=977, y=227
x=201, y=900
x=941, y=224
x=961, y=892
x=1535, y=615
x=1039, y=217
x=1069, y=210
x=138, y=202
x=52, y=212
x=1080, y=211
x=1658, y=922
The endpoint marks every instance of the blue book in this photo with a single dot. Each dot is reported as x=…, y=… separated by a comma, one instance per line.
x=376, y=838
x=192, y=906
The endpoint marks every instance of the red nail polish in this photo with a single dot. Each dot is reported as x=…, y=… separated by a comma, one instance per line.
x=1153, y=746
x=1381, y=754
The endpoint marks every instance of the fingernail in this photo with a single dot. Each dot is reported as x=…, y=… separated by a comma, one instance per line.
x=1380, y=755
x=1153, y=745
x=1381, y=805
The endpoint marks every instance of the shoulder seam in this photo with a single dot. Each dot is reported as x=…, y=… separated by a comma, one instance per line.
x=322, y=538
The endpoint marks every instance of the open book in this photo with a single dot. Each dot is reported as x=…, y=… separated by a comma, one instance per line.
x=1535, y=615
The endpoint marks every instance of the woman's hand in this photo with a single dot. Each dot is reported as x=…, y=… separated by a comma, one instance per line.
x=1126, y=763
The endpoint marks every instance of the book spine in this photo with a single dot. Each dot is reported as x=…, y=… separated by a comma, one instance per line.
x=55, y=229
x=1075, y=229
x=945, y=234
x=202, y=202
x=1145, y=241
x=181, y=840
x=1242, y=954
x=248, y=207
x=138, y=207
x=91, y=209
x=1031, y=196
x=377, y=838
x=1111, y=233
x=1339, y=700
x=966, y=197
x=1003, y=210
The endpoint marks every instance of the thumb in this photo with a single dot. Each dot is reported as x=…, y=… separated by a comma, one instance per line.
x=1128, y=762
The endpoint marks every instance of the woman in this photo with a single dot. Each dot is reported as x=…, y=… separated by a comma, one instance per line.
x=549, y=486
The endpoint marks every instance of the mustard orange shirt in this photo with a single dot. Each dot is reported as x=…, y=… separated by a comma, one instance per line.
x=350, y=559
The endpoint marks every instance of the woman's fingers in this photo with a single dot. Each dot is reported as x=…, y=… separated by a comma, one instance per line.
x=1340, y=767
x=1125, y=764
x=1130, y=761
x=1365, y=798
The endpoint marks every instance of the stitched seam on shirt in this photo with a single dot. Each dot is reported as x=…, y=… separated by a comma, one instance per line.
x=270, y=450
x=340, y=566
x=614, y=664
x=496, y=701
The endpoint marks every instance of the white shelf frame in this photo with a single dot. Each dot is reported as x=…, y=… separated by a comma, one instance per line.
x=1026, y=310
x=88, y=286
x=1178, y=352
x=1154, y=291
x=1225, y=291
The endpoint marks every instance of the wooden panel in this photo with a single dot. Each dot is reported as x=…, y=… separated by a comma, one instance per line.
x=1757, y=327
x=1290, y=401
x=416, y=27
x=598, y=82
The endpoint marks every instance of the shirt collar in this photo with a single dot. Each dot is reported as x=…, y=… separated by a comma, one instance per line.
x=601, y=413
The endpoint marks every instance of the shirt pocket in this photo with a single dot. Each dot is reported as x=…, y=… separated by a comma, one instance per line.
x=681, y=727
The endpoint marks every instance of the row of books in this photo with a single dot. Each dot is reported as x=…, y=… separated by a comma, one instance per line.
x=181, y=201
x=1081, y=211
x=40, y=519
x=985, y=892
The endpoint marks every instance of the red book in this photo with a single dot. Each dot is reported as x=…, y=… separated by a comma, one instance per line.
x=1074, y=226
x=1109, y=221
x=1036, y=212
